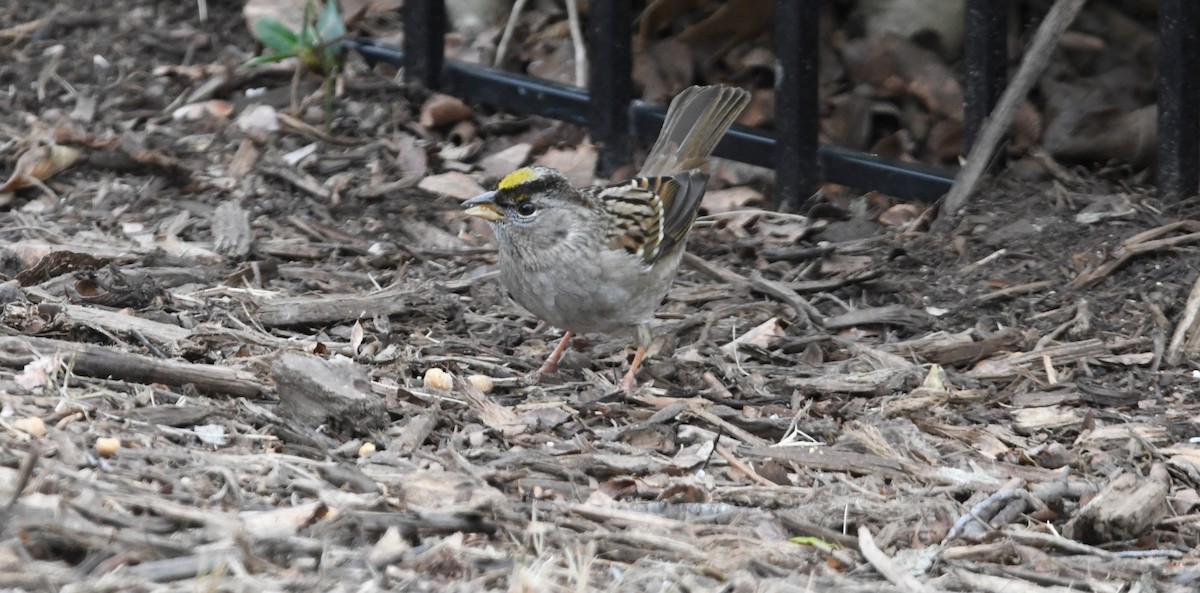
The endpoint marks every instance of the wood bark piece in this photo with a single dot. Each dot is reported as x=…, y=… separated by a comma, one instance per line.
x=231, y=230
x=889, y=315
x=97, y=361
x=164, y=335
x=825, y=459
x=414, y=433
x=493, y=415
x=878, y=382
x=1126, y=508
x=1014, y=364
x=314, y=391
x=331, y=308
x=1107, y=438
x=954, y=354
x=185, y=567
x=1033, y=420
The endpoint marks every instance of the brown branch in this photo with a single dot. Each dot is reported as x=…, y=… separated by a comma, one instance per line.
x=97, y=361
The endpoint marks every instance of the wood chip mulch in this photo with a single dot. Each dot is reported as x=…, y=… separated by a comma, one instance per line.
x=243, y=362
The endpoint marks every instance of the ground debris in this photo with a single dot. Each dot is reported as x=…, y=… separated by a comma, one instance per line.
x=215, y=338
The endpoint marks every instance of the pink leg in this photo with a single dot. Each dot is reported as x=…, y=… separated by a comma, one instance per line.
x=551, y=364
x=629, y=380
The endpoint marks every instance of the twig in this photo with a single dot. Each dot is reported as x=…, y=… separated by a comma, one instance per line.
x=26, y=472
x=894, y=574
x=744, y=469
x=1043, y=540
x=993, y=256
x=581, y=59
x=986, y=509
x=1143, y=242
x=506, y=37
x=1004, y=293
x=97, y=361
x=1187, y=325
x=1036, y=57
x=785, y=294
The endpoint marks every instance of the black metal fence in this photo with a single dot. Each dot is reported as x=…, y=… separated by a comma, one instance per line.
x=800, y=163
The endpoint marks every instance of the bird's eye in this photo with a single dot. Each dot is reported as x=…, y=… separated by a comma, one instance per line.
x=526, y=209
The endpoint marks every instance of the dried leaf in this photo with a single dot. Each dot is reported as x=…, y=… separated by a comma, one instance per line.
x=441, y=110
x=729, y=200
x=452, y=183
x=900, y=215
x=578, y=163
x=506, y=161
x=735, y=22
x=356, y=336
x=215, y=108
x=283, y=521
x=39, y=164
x=664, y=70
x=411, y=159
x=761, y=110
x=259, y=122
x=762, y=335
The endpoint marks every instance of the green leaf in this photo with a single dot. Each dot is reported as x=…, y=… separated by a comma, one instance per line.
x=308, y=56
x=329, y=25
x=308, y=35
x=816, y=542
x=276, y=36
x=269, y=59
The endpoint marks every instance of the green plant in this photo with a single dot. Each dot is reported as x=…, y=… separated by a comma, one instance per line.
x=317, y=45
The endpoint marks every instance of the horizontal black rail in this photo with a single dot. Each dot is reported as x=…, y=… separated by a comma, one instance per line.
x=509, y=91
x=613, y=119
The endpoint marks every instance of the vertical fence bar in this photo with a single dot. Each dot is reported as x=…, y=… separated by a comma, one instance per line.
x=610, y=81
x=985, y=53
x=1178, y=99
x=797, y=168
x=424, y=41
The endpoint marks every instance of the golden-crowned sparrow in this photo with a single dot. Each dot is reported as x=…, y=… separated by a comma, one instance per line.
x=602, y=258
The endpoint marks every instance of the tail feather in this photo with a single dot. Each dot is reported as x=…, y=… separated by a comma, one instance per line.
x=696, y=121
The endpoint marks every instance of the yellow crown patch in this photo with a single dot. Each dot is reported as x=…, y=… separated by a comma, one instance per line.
x=522, y=175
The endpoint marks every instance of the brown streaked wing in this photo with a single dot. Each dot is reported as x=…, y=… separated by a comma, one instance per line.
x=638, y=209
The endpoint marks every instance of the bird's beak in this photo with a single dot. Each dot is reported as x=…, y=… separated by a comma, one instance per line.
x=483, y=206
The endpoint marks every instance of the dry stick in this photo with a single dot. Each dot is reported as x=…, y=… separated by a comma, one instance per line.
x=506, y=37
x=1053, y=26
x=97, y=361
x=1137, y=245
x=746, y=470
x=26, y=472
x=581, y=60
x=1186, y=325
x=1004, y=293
x=986, y=509
x=886, y=567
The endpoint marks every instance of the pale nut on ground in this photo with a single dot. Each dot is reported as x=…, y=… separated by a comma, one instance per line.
x=439, y=379
x=32, y=426
x=366, y=449
x=107, y=446
x=483, y=383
